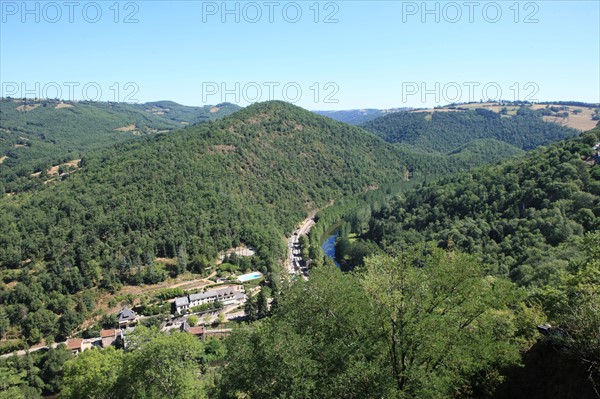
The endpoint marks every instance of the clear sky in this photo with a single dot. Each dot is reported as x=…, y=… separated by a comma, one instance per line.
x=319, y=55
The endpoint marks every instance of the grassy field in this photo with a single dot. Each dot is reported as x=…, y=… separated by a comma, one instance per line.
x=579, y=117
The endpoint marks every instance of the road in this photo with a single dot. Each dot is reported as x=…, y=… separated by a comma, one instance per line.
x=295, y=263
x=88, y=342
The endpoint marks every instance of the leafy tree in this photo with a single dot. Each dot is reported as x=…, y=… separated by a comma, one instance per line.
x=4, y=322
x=262, y=309
x=443, y=321
x=165, y=367
x=572, y=298
x=182, y=259
x=424, y=324
x=12, y=383
x=251, y=307
x=93, y=375
x=52, y=368
x=320, y=337
x=68, y=322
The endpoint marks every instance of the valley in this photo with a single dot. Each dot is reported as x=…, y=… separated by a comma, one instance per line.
x=142, y=223
x=299, y=200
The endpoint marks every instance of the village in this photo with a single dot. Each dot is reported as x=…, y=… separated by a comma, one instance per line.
x=213, y=307
x=205, y=308
x=201, y=314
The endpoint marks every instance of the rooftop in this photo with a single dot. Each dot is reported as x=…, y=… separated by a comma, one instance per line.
x=182, y=301
x=108, y=333
x=74, y=343
x=126, y=314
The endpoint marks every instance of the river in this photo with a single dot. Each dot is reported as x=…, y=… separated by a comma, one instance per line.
x=329, y=248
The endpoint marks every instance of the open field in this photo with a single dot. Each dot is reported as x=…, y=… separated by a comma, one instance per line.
x=579, y=118
x=27, y=107
x=128, y=128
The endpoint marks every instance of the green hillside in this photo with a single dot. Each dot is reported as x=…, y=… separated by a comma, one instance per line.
x=535, y=220
x=521, y=217
x=246, y=179
x=447, y=131
x=35, y=135
x=188, y=114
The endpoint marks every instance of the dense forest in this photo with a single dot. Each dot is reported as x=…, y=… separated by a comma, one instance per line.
x=534, y=221
x=522, y=217
x=189, y=194
x=447, y=276
x=38, y=134
x=446, y=131
x=426, y=323
x=246, y=179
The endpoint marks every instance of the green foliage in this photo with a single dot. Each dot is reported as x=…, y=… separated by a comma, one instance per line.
x=447, y=131
x=420, y=325
x=165, y=367
x=93, y=374
x=207, y=306
x=246, y=179
x=170, y=293
x=42, y=137
x=193, y=320
x=34, y=373
x=12, y=383
x=443, y=321
x=155, y=366
x=572, y=299
x=12, y=346
x=522, y=217
x=320, y=338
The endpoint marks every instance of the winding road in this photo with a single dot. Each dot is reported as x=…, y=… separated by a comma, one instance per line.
x=294, y=260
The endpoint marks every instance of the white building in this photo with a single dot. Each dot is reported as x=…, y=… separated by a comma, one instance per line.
x=226, y=295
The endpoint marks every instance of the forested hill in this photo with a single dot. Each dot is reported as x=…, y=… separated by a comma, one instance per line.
x=188, y=114
x=248, y=178
x=245, y=179
x=523, y=217
x=38, y=134
x=446, y=131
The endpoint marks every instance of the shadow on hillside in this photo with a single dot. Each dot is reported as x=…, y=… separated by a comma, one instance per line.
x=548, y=372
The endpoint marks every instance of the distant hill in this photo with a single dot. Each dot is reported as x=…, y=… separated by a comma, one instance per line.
x=524, y=217
x=358, y=116
x=446, y=131
x=189, y=114
x=36, y=135
x=575, y=114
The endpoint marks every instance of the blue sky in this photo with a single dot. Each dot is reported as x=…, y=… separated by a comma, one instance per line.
x=319, y=55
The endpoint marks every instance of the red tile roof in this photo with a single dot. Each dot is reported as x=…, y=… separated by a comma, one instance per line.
x=74, y=343
x=196, y=330
x=108, y=333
